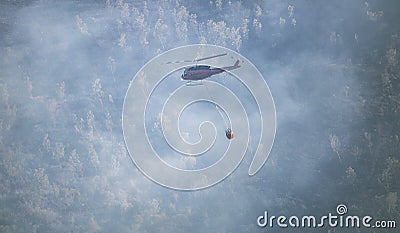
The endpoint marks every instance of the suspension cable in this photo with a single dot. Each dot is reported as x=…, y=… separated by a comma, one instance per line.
x=216, y=106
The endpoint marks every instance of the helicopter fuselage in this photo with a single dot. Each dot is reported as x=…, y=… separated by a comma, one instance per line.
x=200, y=72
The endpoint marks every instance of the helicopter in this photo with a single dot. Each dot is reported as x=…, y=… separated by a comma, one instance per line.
x=200, y=72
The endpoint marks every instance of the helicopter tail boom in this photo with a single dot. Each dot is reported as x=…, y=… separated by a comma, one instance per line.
x=235, y=66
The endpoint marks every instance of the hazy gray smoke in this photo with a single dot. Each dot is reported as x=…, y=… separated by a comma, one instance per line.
x=332, y=67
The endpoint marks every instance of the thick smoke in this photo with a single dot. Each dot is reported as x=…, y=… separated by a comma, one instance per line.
x=332, y=67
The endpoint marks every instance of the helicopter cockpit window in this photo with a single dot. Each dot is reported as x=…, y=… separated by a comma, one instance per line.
x=201, y=67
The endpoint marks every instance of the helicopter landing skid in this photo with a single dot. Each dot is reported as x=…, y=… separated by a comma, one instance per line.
x=195, y=83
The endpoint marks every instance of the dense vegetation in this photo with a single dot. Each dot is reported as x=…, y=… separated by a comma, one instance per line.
x=333, y=69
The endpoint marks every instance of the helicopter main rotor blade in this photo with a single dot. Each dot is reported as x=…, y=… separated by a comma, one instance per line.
x=170, y=62
x=199, y=59
x=214, y=56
